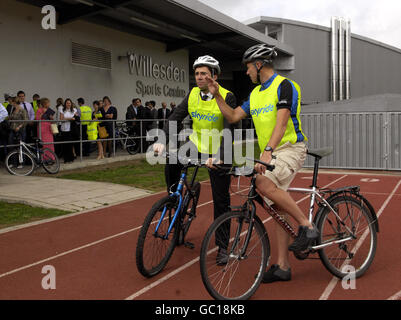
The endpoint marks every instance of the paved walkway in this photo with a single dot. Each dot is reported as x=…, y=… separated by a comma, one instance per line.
x=65, y=194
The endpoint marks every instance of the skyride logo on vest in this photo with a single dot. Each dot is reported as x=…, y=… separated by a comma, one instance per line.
x=200, y=116
x=267, y=108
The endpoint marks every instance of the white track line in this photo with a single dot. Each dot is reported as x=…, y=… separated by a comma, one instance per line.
x=80, y=248
x=190, y=263
x=397, y=296
x=329, y=289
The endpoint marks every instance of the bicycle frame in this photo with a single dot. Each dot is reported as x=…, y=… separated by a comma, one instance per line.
x=178, y=194
x=314, y=193
x=23, y=145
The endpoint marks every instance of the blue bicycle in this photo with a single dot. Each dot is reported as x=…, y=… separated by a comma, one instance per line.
x=167, y=224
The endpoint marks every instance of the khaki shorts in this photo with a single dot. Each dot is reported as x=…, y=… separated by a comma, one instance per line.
x=289, y=160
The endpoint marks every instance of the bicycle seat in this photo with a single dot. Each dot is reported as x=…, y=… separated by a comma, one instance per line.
x=320, y=153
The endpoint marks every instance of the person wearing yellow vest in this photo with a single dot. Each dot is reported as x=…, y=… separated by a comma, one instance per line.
x=206, y=140
x=7, y=100
x=36, y=100
x=274, y=106
x=93, y=128
x=86, y=114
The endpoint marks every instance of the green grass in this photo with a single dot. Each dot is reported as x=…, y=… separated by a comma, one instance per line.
x=138, y=173
x=14, y=213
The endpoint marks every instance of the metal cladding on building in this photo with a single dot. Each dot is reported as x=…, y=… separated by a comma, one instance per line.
x=333, y=62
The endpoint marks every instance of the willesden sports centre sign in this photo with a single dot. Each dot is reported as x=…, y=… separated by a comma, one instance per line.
x=143, y=66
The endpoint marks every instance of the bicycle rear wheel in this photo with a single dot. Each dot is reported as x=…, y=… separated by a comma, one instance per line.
x=50, y=161
x=19, y=164
x=240, y=277
x=355, y=254
x=153, y=249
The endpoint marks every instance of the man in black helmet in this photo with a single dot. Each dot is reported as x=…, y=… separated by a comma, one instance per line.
x=275, y=107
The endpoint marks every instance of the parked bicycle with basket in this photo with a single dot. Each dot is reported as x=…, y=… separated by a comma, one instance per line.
x=346, y=222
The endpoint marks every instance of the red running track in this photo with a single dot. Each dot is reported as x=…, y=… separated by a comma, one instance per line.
x=94, y=253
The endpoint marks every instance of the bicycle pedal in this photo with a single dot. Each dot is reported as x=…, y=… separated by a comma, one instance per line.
x=189, y=245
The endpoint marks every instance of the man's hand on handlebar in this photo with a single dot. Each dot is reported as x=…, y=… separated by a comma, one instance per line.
x=210, y=163
x=158, y=148
x=266, y=157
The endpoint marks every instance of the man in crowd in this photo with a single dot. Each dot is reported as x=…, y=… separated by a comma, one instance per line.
x=3, y=132
x=30, y=128
x=162, y=114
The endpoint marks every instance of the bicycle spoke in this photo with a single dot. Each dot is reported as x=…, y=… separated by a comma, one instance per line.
x=359, y=250
x=237, y=277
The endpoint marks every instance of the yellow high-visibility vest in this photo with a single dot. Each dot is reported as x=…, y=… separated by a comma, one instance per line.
x=263, y=108
x=207, y=121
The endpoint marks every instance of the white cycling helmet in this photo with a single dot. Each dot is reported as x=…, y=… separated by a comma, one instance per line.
x=207, y=61
x=261, y=51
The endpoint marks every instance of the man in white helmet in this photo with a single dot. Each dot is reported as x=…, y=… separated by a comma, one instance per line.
x=274, y=105
x=201, y=106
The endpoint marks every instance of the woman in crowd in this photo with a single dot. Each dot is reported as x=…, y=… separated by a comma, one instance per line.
x=57, y=137
x=108, y=113
x=96, y=115
x=45, y=133
x=68, y=113
x=17, y=129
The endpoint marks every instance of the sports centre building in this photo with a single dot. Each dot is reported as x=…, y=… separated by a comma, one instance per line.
x=145, y=48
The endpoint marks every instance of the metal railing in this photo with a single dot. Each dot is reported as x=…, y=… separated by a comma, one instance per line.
x=359, y=140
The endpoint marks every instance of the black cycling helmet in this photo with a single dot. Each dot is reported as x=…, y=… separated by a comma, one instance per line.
x=261, y=51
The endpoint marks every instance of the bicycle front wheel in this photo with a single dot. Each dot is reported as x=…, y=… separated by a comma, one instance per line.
x=50, y=161
x=132, y=146
x=237, y=275
x=346, y=256
x=154, y=247
x=19, y=164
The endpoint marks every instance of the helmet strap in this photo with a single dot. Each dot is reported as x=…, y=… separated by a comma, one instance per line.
x=258, y=70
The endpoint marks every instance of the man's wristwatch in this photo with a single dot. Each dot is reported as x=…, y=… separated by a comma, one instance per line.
x=268, y=148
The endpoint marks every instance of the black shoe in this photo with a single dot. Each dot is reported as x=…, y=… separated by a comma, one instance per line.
x=276, y=274
x=222, y=257
x=304, y=239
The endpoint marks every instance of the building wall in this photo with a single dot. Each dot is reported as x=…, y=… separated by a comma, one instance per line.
x=39, y=61
x=312, y=61
x=375, y=67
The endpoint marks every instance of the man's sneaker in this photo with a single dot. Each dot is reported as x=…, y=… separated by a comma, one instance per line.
x=304, y=239
x=276, y=274
x=222, y=257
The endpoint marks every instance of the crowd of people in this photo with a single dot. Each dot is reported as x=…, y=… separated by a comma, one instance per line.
x=62, y=128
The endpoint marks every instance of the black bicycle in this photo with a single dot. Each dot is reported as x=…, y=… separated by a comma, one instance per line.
x=126, y=138
x=167, y=224
x=26, y=158
x=346, y=221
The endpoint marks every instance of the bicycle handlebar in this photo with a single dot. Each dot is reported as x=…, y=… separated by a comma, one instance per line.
x=188, y=162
